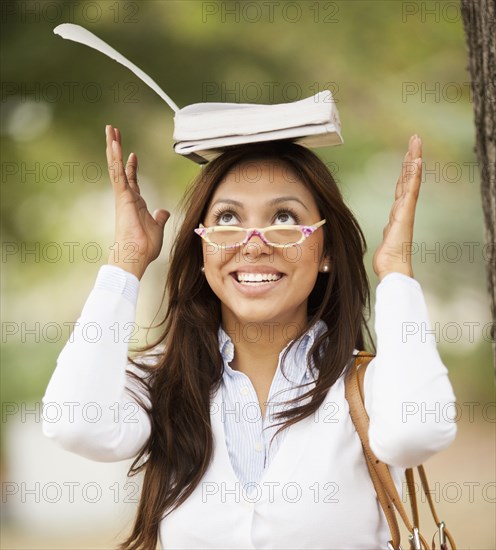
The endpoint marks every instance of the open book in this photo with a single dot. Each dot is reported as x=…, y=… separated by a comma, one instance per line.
x=202, y=131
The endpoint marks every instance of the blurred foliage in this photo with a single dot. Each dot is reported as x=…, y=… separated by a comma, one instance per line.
x=373, y=57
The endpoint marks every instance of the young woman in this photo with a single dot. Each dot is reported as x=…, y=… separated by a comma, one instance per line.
x=238, y=418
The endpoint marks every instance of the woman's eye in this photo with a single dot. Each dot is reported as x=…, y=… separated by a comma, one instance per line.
x=230, y=218
x=227, y=218
x=286, y=218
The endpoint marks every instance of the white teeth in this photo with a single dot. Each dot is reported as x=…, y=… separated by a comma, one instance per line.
x=257, y=277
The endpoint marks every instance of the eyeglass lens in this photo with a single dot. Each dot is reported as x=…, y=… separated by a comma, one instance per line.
x=228, y=237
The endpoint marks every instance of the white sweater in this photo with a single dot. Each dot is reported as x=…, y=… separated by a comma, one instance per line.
x=316, y=491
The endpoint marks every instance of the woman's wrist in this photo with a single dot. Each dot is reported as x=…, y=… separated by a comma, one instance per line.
x=134, y=267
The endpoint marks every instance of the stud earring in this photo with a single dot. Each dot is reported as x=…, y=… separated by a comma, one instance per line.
x=325, y=268
x=202, y=269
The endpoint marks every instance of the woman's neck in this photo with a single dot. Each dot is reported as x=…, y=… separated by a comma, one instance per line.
x=257, y=346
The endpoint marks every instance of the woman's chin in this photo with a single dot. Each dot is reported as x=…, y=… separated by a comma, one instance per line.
x=256, y=319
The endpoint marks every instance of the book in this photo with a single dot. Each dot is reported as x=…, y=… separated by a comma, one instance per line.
x=202, y=131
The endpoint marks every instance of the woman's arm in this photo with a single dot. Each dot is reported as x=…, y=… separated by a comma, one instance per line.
x=408, y=395
x=87, y=408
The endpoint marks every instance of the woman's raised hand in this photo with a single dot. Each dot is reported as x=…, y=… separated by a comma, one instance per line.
x=394, y=253
x=138, y=234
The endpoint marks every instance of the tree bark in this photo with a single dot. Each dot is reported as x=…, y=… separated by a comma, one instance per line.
x=480, y=33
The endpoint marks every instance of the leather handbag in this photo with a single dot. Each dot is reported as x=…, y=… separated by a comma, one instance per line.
x=385, y=488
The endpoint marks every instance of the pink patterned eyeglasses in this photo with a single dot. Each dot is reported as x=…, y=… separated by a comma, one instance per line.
x=279, y=236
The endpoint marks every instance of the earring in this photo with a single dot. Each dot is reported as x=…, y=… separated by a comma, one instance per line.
x=202, y=269
x=325, y=268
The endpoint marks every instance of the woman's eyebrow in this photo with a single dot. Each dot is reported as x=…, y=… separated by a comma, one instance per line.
x=272, y=202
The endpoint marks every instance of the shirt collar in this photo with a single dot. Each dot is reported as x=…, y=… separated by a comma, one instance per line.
x=299, y=351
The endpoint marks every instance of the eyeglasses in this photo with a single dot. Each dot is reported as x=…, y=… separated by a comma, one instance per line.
x=279, y=236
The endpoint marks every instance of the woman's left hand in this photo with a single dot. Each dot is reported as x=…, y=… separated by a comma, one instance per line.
x=394, y=253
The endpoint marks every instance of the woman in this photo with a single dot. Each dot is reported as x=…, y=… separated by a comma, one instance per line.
x=238, y=418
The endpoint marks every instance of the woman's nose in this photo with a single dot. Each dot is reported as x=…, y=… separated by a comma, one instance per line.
x=255, y=245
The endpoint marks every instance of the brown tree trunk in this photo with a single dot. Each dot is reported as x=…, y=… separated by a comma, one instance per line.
x=479, y=21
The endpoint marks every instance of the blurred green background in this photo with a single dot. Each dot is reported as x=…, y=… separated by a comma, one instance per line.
x=396, y=68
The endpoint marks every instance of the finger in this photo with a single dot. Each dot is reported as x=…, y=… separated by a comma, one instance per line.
x=406, y=170
x=118, y=173
x=413, y=182
x=132, y=172
x=120, y=160
x=109, y=137
x=161, y=216
x=400, y=184
x=121, y=171
x=416, y=147
x=112, y=158
x=408, y=167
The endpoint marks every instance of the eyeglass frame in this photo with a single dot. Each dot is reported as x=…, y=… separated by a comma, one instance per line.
x=306, y=231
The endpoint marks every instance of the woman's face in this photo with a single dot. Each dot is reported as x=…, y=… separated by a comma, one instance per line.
x=259, y=194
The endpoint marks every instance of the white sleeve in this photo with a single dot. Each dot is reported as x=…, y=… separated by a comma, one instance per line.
x=86, y=407
x=408, y=395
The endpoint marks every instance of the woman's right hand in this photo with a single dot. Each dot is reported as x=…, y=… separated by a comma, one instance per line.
x=138, y=234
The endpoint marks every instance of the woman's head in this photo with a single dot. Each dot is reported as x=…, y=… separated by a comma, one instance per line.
x=256, y=194
x=261, y=185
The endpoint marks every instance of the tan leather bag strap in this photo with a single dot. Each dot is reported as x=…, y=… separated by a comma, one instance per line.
x=410, y=481
x=381, y=469
x=359, y=416
x=427, y=491
x=387, y=494
x=354, y=396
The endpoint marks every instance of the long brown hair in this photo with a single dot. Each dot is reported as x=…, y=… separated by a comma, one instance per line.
x=189, y=368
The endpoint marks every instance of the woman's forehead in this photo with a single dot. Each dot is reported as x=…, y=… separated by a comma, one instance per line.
x=262, y=185
x=266, y=178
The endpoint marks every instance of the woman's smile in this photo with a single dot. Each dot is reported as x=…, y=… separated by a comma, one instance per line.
x=253, y=282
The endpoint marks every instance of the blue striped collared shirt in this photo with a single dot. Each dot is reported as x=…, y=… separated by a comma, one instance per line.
x=248, y=443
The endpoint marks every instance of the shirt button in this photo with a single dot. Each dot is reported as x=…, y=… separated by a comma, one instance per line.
x=258, y=446
x=245, y=390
